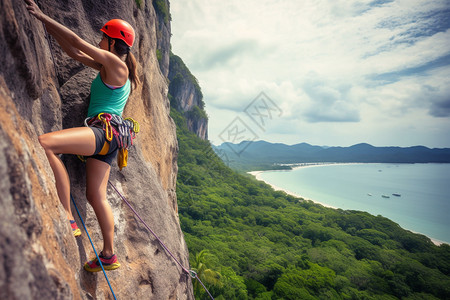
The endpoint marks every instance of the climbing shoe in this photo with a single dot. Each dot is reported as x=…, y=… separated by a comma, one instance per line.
x=109, y=263
x=76, y=231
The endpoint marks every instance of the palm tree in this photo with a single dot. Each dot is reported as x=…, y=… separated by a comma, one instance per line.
x=205, y=274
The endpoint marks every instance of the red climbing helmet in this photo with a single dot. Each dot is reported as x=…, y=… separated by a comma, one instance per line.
x=119, y=29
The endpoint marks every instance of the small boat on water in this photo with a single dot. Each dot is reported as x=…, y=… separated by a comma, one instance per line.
x=385, y=196
x=369, y=194
x=396, y=195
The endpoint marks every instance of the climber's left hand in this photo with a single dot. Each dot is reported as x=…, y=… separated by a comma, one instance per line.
x=34, y=10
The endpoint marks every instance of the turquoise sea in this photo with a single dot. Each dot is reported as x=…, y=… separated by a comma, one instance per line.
x=423, y=205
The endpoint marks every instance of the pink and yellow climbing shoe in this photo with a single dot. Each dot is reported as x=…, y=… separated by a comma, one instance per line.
x=109, y=263
x=76, y=231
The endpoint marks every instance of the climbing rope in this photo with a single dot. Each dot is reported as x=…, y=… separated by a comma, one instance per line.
x=194, y=275
x=187, y=271
x=92, y=244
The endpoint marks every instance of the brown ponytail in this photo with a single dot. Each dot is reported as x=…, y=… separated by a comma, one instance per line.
x=132, y=69
x=123, y=49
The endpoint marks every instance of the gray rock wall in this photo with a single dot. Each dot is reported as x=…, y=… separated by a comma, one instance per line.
x=39, y=257
x=187, y=96
x=163, y=32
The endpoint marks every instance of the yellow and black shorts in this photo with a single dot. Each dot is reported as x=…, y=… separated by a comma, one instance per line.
x=104, y=150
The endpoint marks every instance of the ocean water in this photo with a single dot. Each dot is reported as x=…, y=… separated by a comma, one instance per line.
x=423, y=207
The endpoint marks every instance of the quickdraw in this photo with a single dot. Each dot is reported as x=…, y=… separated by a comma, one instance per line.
x=106, y=120
x=135, y=125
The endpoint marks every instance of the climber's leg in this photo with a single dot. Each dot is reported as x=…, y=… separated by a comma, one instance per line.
x=81, y=141
x=97, y=175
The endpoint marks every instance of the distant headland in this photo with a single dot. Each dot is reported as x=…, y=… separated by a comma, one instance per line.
x=264, y=155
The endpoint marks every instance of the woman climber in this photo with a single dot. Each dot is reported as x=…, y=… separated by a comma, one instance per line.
x=109, y=94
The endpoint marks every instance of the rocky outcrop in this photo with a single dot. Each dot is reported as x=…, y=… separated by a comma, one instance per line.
x=162, y=8
x=186, y=96
x=198, y=126
x=39, y=257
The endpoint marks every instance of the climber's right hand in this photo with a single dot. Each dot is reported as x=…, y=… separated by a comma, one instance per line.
x=34, y=10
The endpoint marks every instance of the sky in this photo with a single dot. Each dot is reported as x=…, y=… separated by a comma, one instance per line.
x=324, y=72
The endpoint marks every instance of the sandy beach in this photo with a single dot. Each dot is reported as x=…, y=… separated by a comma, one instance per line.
x=257, y=175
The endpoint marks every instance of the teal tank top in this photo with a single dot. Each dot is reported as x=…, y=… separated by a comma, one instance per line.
x=107, y=100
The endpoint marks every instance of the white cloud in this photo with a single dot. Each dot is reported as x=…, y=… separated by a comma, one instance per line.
x=324, y=63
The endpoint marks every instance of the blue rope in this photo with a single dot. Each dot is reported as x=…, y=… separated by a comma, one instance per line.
x=92, y=244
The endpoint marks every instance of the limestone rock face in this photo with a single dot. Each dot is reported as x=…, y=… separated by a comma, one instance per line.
x=39, y=257
x=163, y=31
x=187, y=97
x=199, y=127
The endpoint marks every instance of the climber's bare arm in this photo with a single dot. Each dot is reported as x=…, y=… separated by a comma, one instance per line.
x=74, y=52
x=75, y=46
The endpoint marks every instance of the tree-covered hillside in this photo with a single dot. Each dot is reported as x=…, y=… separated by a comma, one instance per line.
x=247, y=241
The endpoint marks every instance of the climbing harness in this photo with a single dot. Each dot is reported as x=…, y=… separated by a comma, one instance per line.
x=191, y=273
x=124, y=130
x=92, y=244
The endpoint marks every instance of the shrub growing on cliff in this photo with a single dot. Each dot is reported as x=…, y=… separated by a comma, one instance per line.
x=196, y=114
x=158, y=55
x=161, y=9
